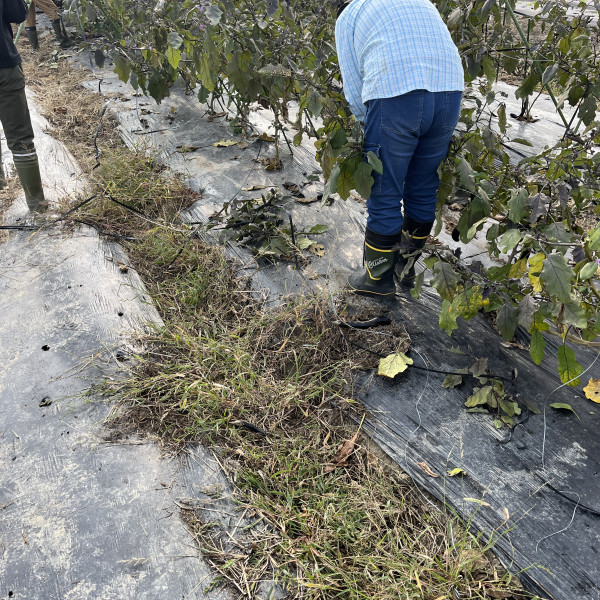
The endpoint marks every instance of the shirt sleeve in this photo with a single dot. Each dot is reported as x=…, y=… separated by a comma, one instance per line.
x=14, y=11
x=351, y=76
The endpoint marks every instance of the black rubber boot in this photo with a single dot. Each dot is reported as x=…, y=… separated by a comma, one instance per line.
x=413, y=238
x=379, y=259
x=32, y=36
x=61, y=33
x=28, y=169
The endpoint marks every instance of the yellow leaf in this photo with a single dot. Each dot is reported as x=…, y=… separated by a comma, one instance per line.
x=536, y=263
x=535, y=281
x=266, y=138
x=393, y=364
x=518, y=269
x=225, y=143
x=253, y=188
x=592, y=390
x=457, y=471
x=317, y=249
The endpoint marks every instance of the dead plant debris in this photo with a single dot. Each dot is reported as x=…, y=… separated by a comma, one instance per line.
x=360, y=530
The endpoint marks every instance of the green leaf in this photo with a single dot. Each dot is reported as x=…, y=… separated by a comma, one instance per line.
x=315, y=106
x=489, y=68
x=452, y=381
x=537, y=346
x=338, y=138
x=562, y=406
x=445, y=280
x=518, y=207
x=393, y=364
x=527, y=308
x=576, y=94
x=303, y=242
x=587, y=110
x=99, y=58
x=588, y=270
x=549, y=73
x=331, y=185
x=213, y=14
x=417, y=288
x=363, y=182
x=522, y=141
x=374, y=161
x=506, y=321
x=509, y=408
x=447, y=318
x=345, y=182
x=527, y=86
x=556, y=276
x=206, y=74
x=510, y=62
x=158, y=88
x=173, y=56
x=122, y=69
x=594, y=238
x=174, y=40
x=479, y=367
x=568, y=367
x=485, y=395
x=510, y=239
x=574, y=314
x=502, y=117
x=474, y=215
x=318, y=229
x=466, y=175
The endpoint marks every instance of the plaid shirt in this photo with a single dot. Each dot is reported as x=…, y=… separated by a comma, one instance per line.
x=387, y=48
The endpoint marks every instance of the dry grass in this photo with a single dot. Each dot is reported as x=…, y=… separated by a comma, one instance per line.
x=72, y=111
x=272, y=391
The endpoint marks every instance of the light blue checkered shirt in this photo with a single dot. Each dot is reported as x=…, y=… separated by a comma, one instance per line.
x=387, y=48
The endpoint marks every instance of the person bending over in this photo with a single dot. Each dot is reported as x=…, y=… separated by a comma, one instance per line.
x=403, y=78
x=14, y=112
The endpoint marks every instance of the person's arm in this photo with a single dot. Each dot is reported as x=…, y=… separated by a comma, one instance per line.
x=351, y=77
x=14, y=11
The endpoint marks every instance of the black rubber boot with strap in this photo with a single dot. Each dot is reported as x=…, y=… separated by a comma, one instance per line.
x=379, y=258
x=413, y=238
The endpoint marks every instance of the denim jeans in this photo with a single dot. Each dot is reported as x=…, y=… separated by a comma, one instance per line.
x=410, y=134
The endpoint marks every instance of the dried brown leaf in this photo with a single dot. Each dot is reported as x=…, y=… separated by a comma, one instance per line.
x=427, y=469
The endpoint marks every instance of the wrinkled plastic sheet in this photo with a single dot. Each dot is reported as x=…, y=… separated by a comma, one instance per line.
x=535, y=494
x=83, y=515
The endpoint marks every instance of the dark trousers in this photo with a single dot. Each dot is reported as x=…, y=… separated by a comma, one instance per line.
x=14, y=112
x=16, y=122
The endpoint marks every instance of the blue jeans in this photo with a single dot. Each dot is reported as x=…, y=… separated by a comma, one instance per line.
x=410, y=134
